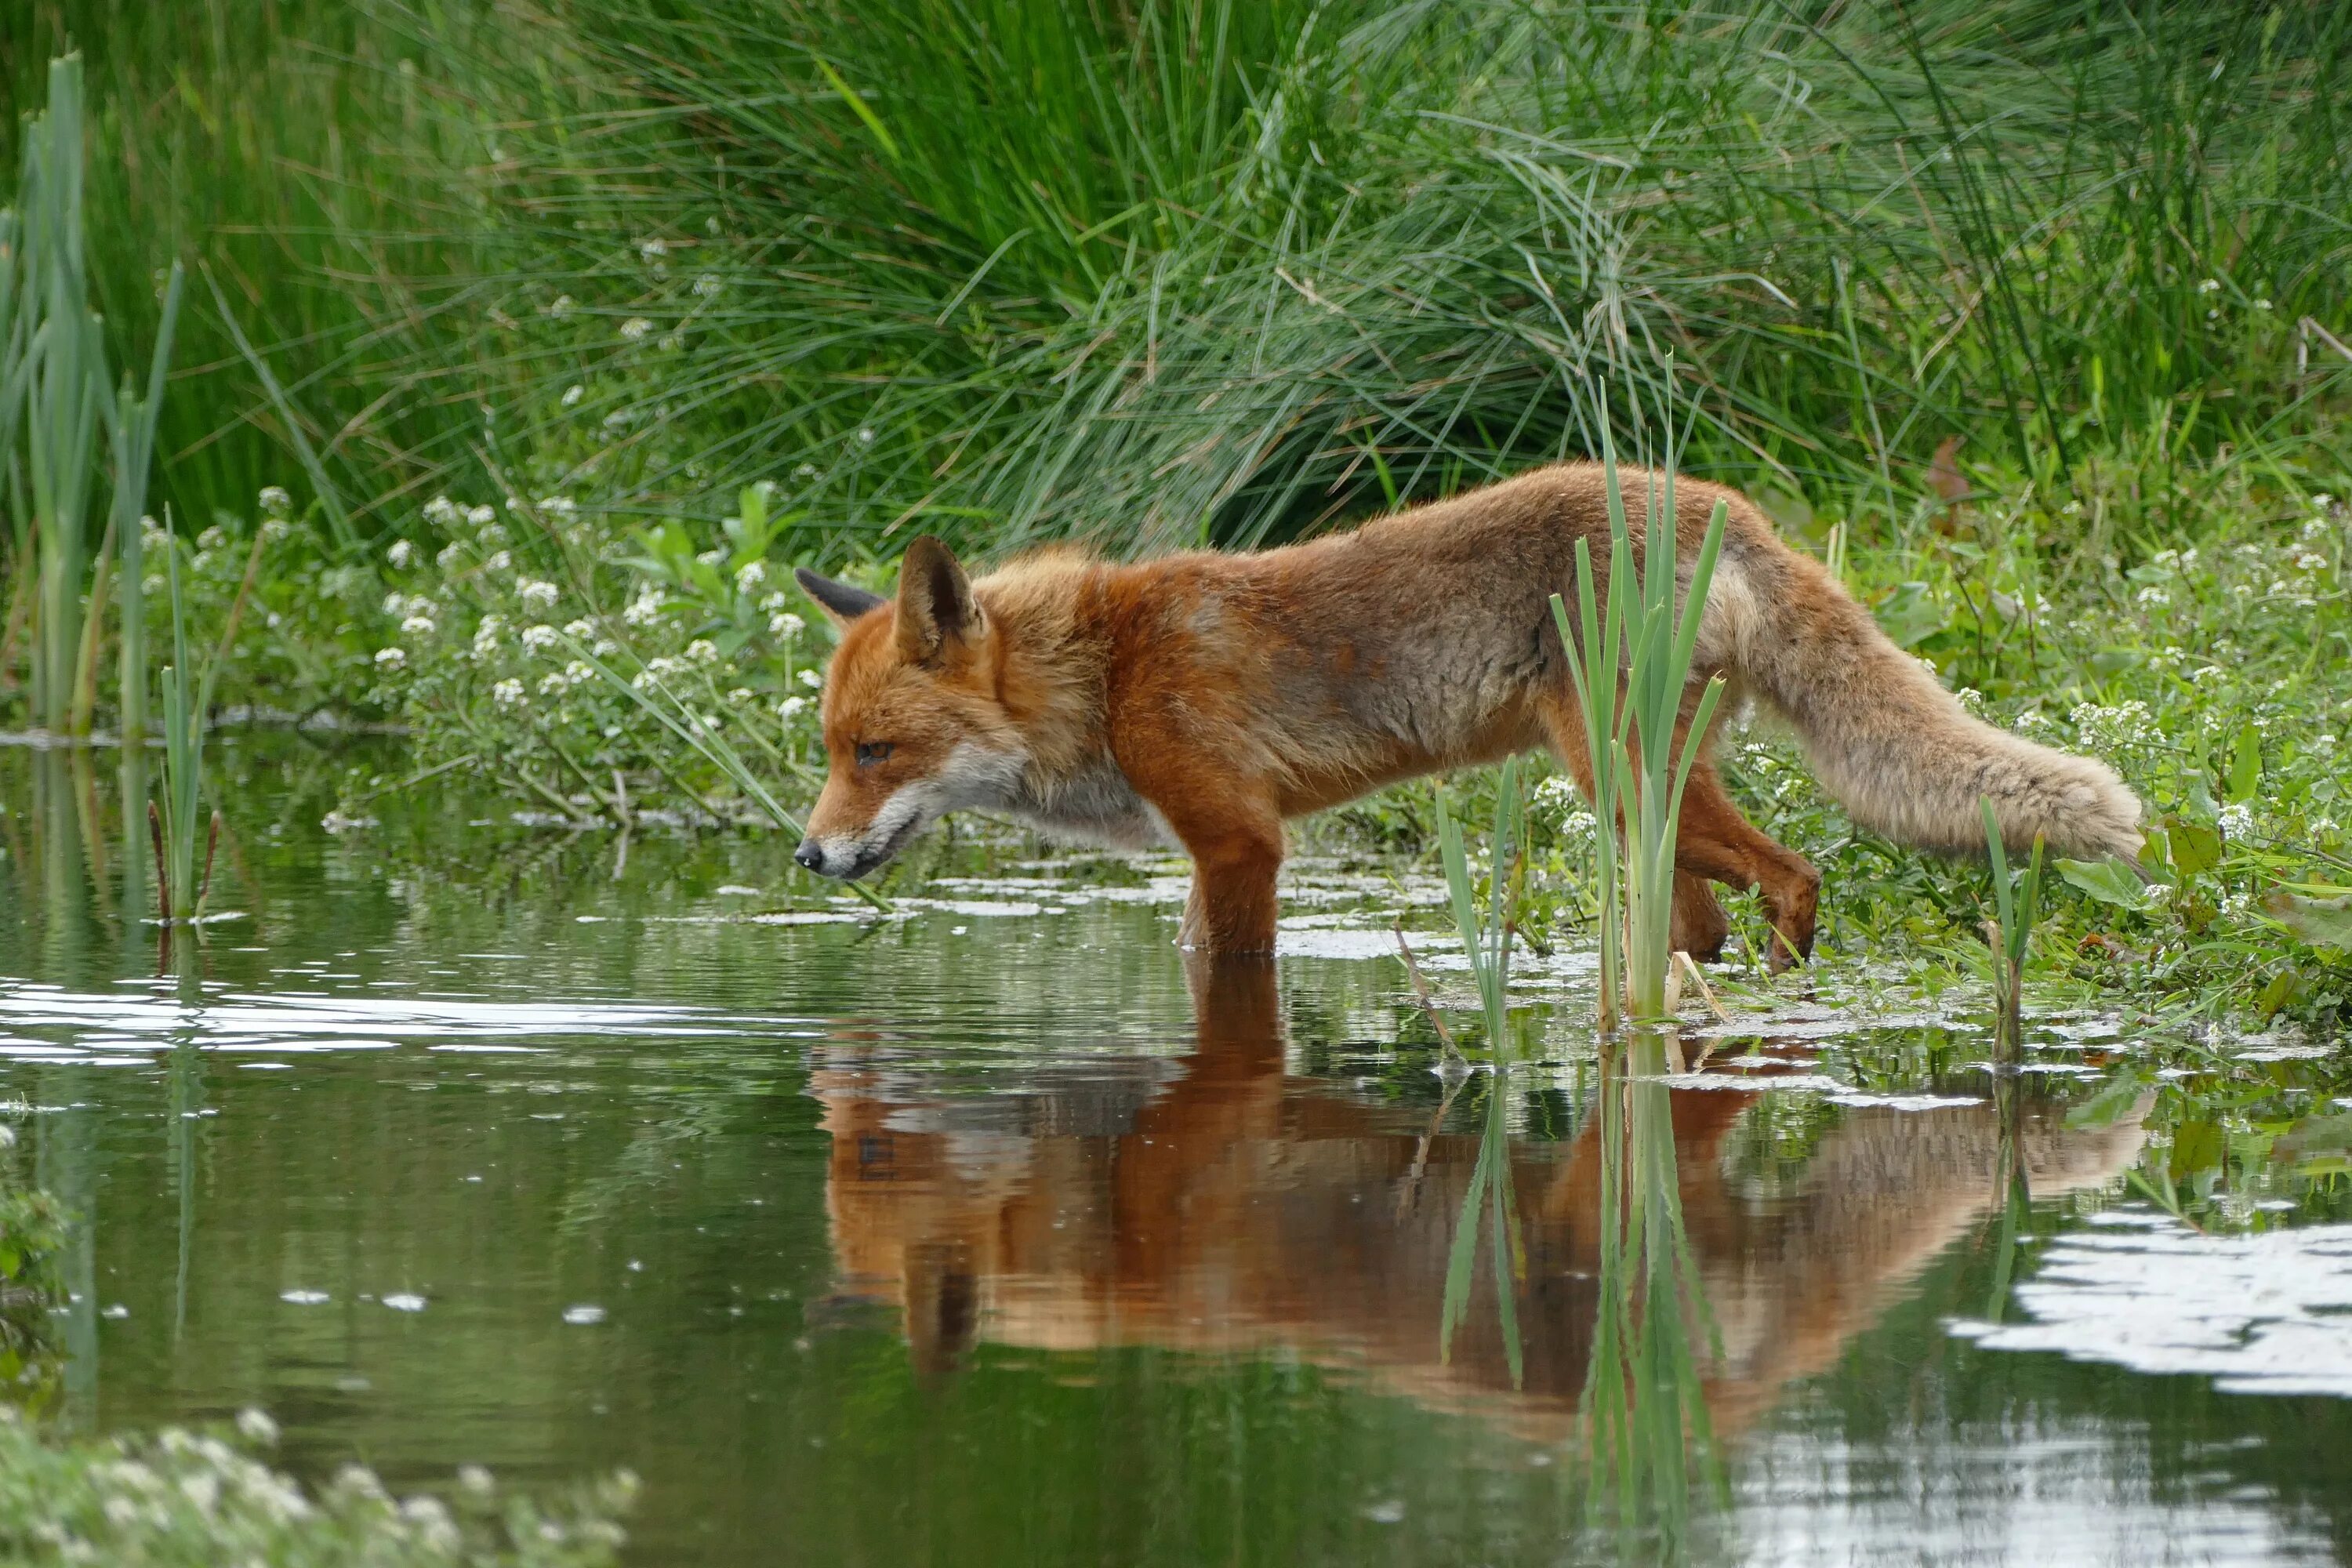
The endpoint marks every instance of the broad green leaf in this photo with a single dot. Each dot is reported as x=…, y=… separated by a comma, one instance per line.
x=2246, y=765
x=1911, y=615
x=2110, y=881
x=2195, y=848
x=2323, y=922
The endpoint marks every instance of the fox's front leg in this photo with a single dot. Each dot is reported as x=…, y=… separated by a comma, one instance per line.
x=1236, y=853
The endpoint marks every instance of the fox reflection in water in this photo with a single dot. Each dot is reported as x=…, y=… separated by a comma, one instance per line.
x=1219, y=1204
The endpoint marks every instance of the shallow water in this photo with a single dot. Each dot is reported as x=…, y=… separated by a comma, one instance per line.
x=989, y=1234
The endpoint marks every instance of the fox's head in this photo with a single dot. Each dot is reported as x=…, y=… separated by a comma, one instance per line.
x=913, y=728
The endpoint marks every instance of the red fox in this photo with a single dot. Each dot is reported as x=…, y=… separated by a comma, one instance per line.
x=1204, y=698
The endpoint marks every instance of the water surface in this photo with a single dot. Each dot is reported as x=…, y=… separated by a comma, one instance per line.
x=992, y=1233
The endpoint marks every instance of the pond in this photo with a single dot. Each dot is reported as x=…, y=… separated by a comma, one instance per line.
x=989, y=1232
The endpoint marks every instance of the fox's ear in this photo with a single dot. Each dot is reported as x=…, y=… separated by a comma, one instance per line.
x=841, y=602
x=938, y=617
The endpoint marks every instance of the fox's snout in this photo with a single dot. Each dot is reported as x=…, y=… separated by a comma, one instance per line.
x=845, y=860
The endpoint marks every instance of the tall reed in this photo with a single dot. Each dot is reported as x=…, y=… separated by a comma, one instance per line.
x=186, y=699
x=63, y=385
x=1630, y=662
x=2015, y=909
x=131, y=446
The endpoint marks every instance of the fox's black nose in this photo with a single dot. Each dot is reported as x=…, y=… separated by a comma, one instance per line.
x=809, y=855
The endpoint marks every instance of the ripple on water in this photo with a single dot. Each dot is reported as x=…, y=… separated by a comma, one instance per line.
x=2266, y=1313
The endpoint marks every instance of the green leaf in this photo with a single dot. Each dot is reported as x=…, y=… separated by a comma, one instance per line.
x=2323, y=922
x=2283, y=988
x=2195, y=848
x=2110, y=881
x=2246, y=765
x=1911, y=615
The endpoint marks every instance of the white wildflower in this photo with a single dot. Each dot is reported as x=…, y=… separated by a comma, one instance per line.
x=563, y=507
x=2155, y=597
x=391, y=657
x=553, y=684
x=671, y=342
x=577, y=671
x=2210, y=286
x=645, y=609
x=508, y=693
x=711, y=557
x=785, y=627
x=2128, y=723
x=202, y=1488
x=775, y=601
x=663, y=665
x=2210, y=675
x=635, y=328
x=708, y=285
x=2262, y=302
x=443, y=511
x=564, y=306
x=540, y=595
x=604, y=647
x=500, y=561
x=448, y=557
x=536, y=639
x=429, y=1517
x=578, y=629
x=2322, y=501
x=211, y=538
x=740, y=694
x=865, y=436
x=257, y=1425
x=483, y=516
x=401, y=554
x=805, y=471
x=702, y=651
x=574, y=394
x=810, y=678
x=750, y=574
x=652, y=249
x=417, y=626
x=274, y=501
x=2237, y=820
x=1971, y=700
x=791, y=707
x=2310, y=561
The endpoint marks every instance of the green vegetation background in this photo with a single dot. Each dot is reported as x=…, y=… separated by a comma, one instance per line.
x=601, y=313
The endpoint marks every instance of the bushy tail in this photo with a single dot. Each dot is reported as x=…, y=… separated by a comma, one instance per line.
x=1901, y=753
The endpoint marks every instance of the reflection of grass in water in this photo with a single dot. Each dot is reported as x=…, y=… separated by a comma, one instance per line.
x=1488, y=944
x=1644, y=1396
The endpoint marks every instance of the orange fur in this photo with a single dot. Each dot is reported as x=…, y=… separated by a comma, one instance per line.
x=1206, y=697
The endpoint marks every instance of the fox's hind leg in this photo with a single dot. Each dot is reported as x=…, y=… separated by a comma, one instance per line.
x=1699, y=925
x=1717, y=843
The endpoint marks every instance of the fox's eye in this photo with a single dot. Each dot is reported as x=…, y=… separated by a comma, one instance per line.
x=872, y=752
